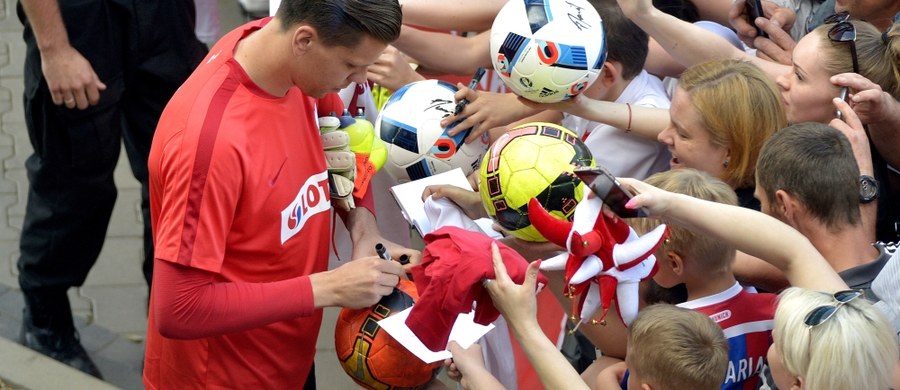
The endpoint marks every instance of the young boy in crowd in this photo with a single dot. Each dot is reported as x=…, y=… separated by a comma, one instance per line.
x=671, y=348
x=703, y=264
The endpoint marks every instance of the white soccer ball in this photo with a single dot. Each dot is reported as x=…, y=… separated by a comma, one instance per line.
x=418, y=147
x=548, y=50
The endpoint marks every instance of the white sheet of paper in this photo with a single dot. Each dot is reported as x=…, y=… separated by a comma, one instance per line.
x=465, y=332
x=409, y=196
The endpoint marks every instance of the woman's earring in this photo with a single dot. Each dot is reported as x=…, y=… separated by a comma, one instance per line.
x=725, y=164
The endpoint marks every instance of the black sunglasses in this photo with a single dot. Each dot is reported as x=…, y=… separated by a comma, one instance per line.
x=822, y=313
x=844, y=31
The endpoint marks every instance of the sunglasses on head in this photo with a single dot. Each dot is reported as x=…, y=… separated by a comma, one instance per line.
x=844, y=31
x=823, y=313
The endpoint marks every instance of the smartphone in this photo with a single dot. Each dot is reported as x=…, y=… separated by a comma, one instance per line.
x=844, y=95
x=755, y=10
x=605, y=185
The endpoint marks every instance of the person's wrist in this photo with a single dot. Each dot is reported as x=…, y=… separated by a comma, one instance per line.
x=868, y=189
x=525, y=328
x=52, y=47
x=362, y=223
x=648, y=13
x=321, y=290
x=892, y=110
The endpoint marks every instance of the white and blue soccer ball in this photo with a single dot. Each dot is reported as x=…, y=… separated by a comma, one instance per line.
x=548, y=50
x=418, y=147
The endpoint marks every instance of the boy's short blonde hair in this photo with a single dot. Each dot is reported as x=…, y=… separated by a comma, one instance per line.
x=708, y=253
x=677, y=348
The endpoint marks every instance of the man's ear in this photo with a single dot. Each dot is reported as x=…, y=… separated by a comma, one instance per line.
x=788, y=206
x=303, y=38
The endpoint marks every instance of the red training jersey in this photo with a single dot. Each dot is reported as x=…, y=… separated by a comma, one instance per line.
x=238, y=188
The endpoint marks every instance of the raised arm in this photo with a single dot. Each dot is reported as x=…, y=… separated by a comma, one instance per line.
x=647, y=122
x=853, y=129
x=749, y=231
x=445, y=52
x=879, y=110
x=487, y=110
x=519, y=307
x=460, y=15
x=687, y=43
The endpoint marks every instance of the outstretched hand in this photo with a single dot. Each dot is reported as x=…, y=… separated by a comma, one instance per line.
x=870, y=102
x=467, y=367
x=465, y=360
x=392, y=70
x=853, y=129
x=779, y=46
x=655, y=201
x=516, y=302
x=468, y=201
x=485, y=111
x=773, y=14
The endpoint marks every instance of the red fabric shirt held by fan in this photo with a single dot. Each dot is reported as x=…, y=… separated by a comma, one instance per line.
x=454, y=262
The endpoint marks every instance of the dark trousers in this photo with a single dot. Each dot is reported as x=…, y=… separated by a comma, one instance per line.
x=142, y=50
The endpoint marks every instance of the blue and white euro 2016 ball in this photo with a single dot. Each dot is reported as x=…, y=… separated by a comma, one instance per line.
x=548, y=50
x=418, y=147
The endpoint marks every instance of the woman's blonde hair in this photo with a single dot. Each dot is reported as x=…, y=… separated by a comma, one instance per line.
x=740, y=107
x=877, y=53
x=854, y=349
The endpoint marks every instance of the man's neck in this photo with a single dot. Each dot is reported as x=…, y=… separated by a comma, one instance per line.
x=848, y=248
x=262, y=60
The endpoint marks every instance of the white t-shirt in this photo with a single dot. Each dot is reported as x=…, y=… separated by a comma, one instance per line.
x=626, y=154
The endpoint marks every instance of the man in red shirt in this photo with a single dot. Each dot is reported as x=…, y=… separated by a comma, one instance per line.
x=241, y=208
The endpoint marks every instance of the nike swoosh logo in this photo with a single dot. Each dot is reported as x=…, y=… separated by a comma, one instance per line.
x=278, y=173
x=213, y=57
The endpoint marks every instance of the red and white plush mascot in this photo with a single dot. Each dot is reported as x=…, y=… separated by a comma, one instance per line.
x=606, y=259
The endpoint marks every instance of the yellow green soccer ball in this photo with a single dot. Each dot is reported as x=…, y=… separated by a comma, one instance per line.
x=534, y=160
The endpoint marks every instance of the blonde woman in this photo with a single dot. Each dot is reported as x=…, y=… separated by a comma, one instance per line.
x=827, y=341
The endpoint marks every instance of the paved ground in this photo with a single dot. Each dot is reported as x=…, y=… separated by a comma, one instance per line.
x=110, y=306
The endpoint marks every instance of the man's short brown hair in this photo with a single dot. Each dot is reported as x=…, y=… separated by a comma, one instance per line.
x=344, y=22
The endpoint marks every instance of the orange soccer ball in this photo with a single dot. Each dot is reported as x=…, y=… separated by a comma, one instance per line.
x=371, y=357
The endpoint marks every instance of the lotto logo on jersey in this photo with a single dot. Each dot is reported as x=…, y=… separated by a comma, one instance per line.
x=310, y=200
